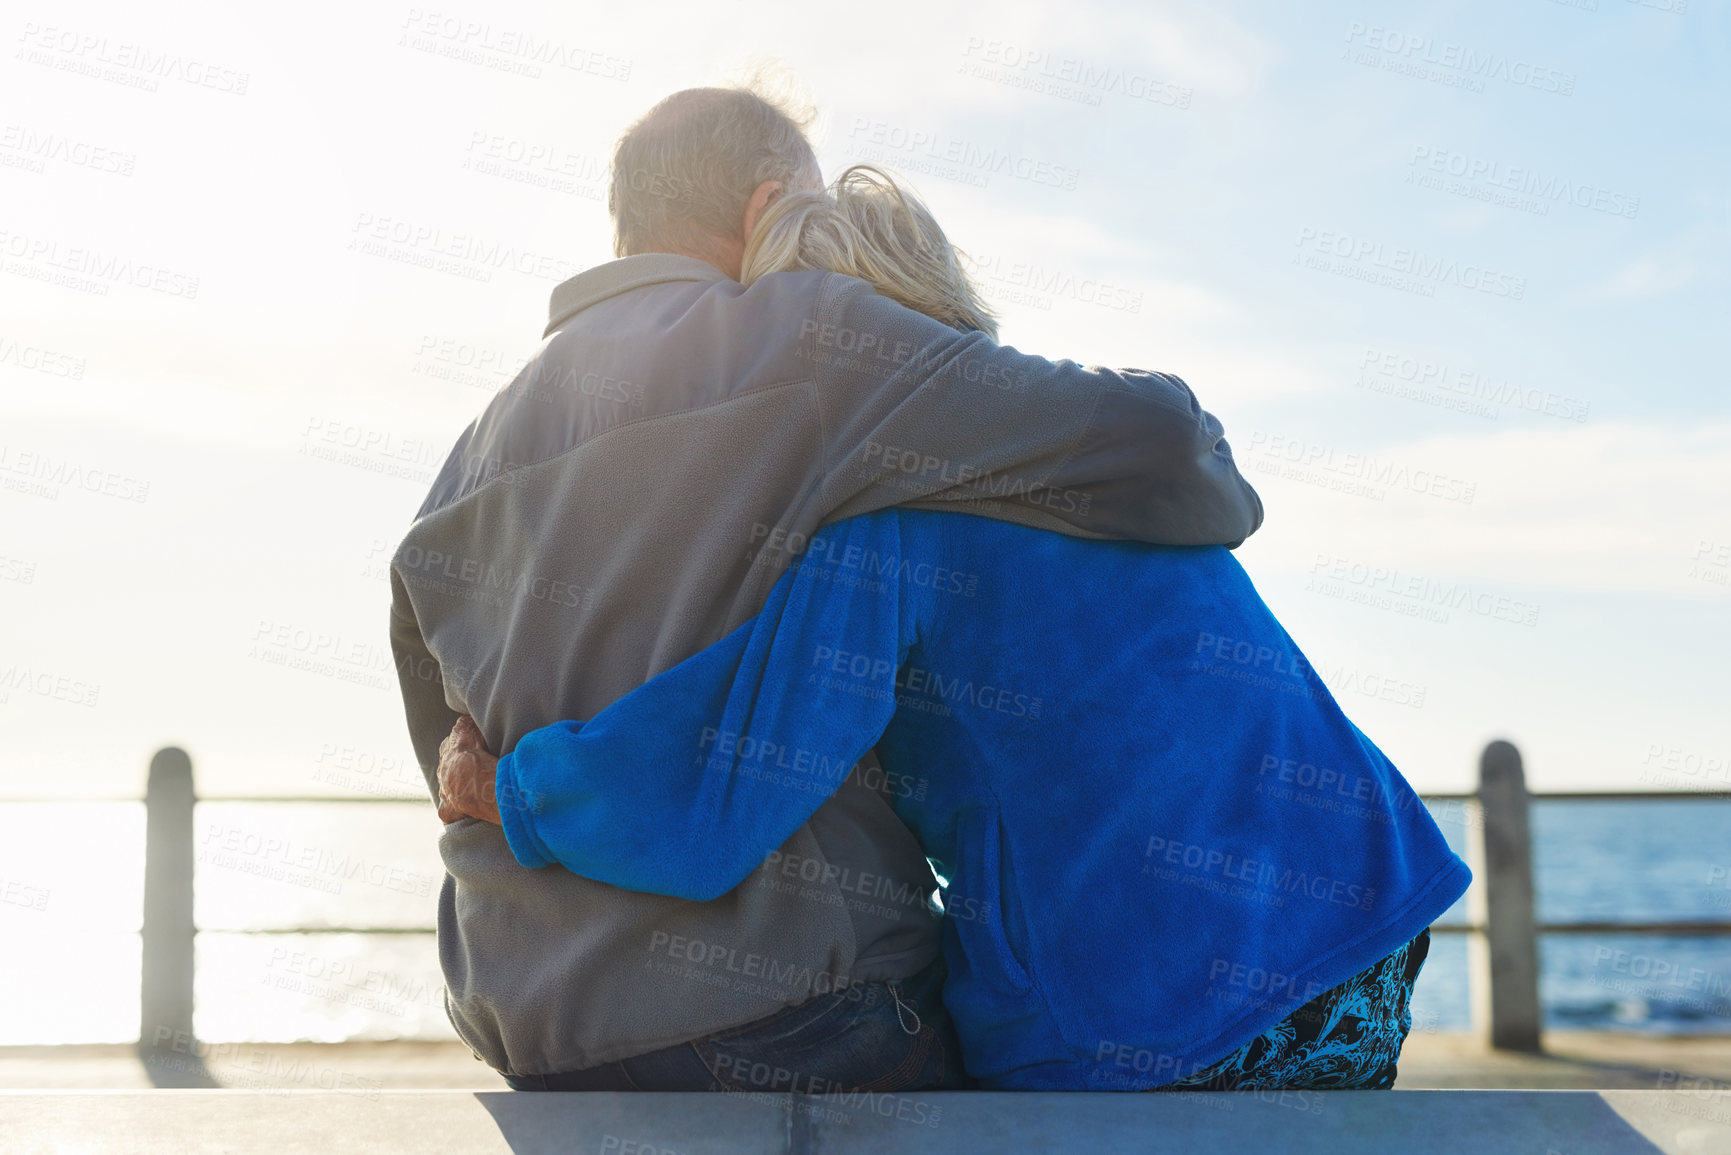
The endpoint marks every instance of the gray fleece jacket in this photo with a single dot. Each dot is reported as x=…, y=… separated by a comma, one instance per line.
x=629, y=499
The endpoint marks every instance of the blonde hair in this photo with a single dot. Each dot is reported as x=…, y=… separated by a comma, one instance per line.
x=868, y=226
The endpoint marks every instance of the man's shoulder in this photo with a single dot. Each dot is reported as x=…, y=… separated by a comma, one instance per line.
x=637, y=359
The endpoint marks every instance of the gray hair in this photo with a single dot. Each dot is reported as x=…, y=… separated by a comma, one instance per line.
x=687, y=169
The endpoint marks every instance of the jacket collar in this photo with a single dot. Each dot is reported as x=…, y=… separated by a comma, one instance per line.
x=592, y=285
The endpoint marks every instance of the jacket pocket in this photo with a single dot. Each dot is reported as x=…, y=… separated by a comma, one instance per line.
x=987, y=885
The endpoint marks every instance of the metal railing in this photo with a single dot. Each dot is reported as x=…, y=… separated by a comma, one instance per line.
x=1504, y=924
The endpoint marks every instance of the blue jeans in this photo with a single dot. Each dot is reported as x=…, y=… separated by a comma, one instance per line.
x=868, y=1037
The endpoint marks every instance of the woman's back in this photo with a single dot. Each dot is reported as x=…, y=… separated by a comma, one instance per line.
x=1161, y=833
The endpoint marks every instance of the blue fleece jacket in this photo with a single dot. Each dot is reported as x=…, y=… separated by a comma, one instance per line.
x=1160, y=833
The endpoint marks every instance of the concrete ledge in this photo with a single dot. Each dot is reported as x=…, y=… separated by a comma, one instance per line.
x=353, y=1067
x=1324, y=1123
x=1572, y=1061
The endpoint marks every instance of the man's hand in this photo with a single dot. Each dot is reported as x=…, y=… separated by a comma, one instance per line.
x=467, y=775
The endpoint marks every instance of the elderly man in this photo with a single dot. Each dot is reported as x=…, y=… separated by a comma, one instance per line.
x=631, y=498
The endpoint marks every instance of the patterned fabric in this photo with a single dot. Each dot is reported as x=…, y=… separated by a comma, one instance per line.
x=1347, y=1038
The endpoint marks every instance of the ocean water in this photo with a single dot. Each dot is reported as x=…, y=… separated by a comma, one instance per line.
x=1648, y=860
x=281, y=887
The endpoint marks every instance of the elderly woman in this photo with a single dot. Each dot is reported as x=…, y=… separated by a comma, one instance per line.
x=1169, y=859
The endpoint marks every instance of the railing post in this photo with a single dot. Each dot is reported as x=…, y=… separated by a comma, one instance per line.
x=165, y=1004
x=1508, y=888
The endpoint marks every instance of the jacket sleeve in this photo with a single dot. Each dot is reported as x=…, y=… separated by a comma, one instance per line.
x=683, y=786
x=918, y=413
x=422, y=681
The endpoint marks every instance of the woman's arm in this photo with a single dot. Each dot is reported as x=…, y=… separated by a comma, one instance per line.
x=683, y=786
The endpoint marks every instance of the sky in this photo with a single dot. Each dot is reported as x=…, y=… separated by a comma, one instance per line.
x=1452, y=275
